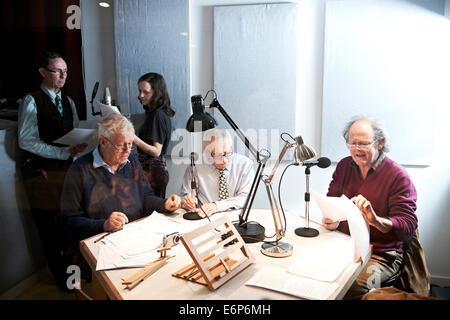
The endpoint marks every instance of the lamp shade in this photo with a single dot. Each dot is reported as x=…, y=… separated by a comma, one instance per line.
x=302, y=152
x=200, y=116
x=207, y=122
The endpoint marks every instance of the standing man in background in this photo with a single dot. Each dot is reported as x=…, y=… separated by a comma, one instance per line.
x=45, y=116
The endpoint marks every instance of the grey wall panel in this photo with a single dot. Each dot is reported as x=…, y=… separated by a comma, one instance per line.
x=153, y=36
x=389, y=60
x=255, y=69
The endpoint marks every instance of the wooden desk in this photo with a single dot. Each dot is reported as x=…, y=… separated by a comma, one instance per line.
x=163, y=286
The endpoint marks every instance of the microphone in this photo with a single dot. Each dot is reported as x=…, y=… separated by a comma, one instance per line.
x=193, y=182
x=94, y=91
x=107, y=97
x=322, y=162
x=193, y=215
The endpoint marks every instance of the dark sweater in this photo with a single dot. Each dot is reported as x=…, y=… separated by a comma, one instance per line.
x=91, y=194
x=391, y=193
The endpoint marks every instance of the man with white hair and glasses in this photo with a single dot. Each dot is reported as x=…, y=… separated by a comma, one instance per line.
x=223, y=178
x=107, y=188
x=385, y=195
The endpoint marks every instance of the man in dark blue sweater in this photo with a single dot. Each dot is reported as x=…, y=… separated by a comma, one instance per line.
x=107, y=188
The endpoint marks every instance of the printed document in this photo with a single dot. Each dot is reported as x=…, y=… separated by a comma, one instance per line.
x=325, y=261
x=75, y=136
x=107, y=109
x=278, y=279
x=340, y=209
x=135, y=245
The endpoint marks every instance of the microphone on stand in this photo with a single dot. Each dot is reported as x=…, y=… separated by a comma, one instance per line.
x=193, y=215
x=94, y=93
x=107, y=97
x=322, y=162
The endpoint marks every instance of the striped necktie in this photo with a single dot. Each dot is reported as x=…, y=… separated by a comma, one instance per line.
x=59, y=104
x=223, y=189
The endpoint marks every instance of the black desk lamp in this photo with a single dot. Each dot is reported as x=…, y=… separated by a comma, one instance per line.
x=250, y=232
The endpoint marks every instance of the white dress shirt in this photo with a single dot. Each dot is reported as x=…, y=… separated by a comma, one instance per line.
x=239, y=173
x=28, y=130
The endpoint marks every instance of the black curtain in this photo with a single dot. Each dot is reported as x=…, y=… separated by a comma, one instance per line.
x=28, y=29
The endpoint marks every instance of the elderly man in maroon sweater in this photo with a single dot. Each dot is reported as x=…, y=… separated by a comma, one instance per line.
x=386, y=196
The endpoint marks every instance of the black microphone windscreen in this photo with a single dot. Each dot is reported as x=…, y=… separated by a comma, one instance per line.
x=94, y=92
x=323, y=162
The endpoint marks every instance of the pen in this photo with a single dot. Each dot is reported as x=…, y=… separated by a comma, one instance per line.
x=105, y=235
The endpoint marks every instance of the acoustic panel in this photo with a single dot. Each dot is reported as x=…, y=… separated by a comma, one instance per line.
x=255, y=68
x=153, y=36
x=388, y=60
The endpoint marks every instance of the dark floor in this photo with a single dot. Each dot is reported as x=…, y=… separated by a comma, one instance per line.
x=440, y=292
x=41, y=286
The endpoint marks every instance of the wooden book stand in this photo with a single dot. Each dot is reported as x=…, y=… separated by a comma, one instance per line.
x=217, y=256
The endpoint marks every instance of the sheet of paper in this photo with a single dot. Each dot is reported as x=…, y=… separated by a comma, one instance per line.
x=107, y=109
x=278, y=279
x=110, y=258
x=340, y=209
x=359, y=229
x=75, y=136
x=135, y=245
x=331, y=207
x=325, y=261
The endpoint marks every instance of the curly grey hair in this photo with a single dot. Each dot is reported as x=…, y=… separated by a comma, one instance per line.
x=379, y=132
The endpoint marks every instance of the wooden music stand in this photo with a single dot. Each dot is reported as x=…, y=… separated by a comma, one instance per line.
x=217, y=256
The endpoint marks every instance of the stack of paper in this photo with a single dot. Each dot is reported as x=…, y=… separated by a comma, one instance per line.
x=325, y=261
x=135, y=245
x=315, y=273
x=280, y=280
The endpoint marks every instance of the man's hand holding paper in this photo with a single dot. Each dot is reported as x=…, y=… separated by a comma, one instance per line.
x=336, y=209
x=364, y=205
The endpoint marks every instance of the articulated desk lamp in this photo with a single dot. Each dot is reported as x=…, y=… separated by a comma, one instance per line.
x=249, y=231
x=277, y=248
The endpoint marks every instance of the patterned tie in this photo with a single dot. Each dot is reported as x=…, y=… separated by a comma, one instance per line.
x=59, y=104
x=223, y=190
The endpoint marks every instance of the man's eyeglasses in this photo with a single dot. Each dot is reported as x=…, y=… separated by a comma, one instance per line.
x=61, y=72
x=125, y=148
x=360, y=145
x=223, y=155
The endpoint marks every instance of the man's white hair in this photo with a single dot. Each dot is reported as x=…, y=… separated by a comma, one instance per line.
x=113, y=124
x=217, y=135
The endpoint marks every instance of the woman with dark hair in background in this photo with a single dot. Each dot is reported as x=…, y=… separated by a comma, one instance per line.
x=154, y=135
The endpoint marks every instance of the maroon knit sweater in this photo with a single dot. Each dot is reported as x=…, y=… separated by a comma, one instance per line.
x=391, y=193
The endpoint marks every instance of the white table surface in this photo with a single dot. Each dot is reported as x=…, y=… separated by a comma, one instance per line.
x=162, y=285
